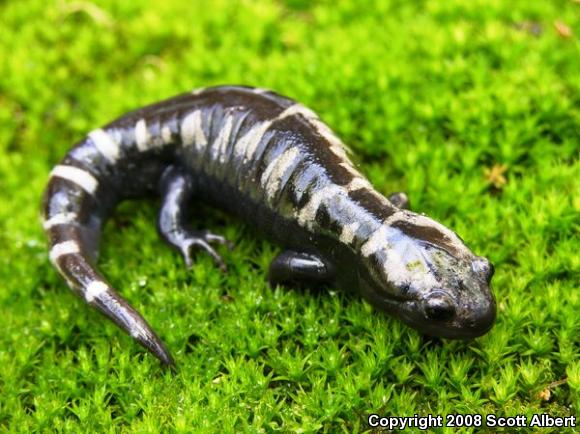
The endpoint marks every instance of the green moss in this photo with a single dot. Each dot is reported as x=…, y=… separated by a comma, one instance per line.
x=428, y=94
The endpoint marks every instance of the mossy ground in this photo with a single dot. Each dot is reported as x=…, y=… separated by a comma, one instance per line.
x=429, y=94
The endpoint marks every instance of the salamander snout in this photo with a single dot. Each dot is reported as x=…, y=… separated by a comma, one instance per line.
x=483, y=317
x=439, y=307
x=455, y=316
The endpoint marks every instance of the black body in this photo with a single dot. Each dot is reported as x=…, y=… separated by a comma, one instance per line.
x=273, y=163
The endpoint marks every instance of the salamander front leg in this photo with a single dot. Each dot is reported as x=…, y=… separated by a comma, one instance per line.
x=400, y=200
x=177, y=189
x=291, y=267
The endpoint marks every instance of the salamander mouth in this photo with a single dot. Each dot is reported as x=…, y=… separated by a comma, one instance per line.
x=478, y=323
x=448, y=323
x=412, y=313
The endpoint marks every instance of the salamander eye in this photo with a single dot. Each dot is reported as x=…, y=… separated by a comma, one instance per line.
x=483, y=266
x=491, y=272
x=439, y=308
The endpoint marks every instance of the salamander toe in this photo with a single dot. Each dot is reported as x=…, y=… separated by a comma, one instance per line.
x=203, y=240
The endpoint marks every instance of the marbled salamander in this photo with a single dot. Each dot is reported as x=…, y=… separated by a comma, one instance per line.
x=274, y=163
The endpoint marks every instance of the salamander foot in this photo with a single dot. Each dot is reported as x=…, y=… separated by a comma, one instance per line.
x=400, y=200
x=202, y=240
x=291, y=267
x=177, y=190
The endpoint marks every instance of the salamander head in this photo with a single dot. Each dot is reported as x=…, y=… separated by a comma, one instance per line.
x=422, y=272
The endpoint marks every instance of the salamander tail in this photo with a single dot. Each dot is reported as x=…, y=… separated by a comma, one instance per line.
x=73, y=226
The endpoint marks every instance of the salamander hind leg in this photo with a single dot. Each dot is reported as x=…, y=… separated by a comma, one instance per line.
x=400, y=200
x=177, y=189
x=291, y=267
